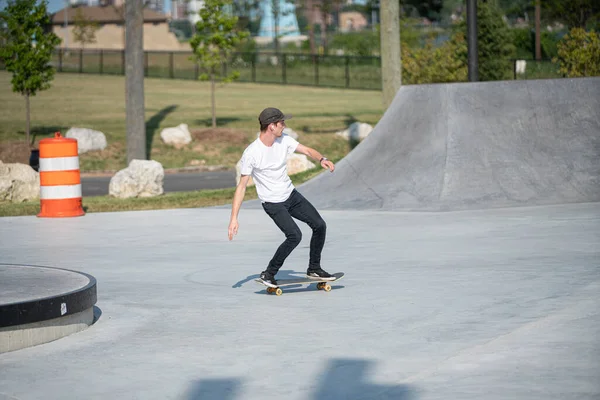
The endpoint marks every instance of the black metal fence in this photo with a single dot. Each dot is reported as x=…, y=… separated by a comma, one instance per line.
x=284, y=68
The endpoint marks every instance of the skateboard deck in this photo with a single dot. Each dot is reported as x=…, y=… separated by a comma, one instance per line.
x=321, y=283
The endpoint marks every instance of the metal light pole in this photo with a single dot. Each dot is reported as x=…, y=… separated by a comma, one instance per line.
x=472, y=40
x=538, y=45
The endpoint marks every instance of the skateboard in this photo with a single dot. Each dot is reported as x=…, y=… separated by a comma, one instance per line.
x=321, y=284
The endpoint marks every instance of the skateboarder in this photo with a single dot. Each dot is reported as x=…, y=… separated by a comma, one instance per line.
x=265, y=160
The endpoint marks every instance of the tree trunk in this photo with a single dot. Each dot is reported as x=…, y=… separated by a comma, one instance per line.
x=311, y=26
x=324, y=32
x=212, y=99
x=391, y=63
x=27, y=126
x=275, y=9
x=134, y=81
x=311, y=38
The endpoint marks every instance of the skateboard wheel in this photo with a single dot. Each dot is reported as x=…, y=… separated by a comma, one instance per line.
x=279, y=292
x=270, y=290
x=320, y=285
x=327, y=288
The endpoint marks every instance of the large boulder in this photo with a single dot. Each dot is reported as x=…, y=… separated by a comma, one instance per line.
x=178, y=136
x=142, y=178
x=290, y=132
x=87, y=139
x=295, y=163
x=18, y=183
x=357, y=131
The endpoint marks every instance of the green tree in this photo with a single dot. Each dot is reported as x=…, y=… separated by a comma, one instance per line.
x=367, y=43
x=217, y=35
x=579, y=54
x=326, y=7
x=85, y=29
x=431, y=9
x=28, y=49
x=362, y=44
x=517, y=8
x=573, y=13
x=248, y=13
x=494, y=42
x=277, y=12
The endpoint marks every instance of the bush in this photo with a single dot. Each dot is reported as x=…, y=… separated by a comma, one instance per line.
x=549, y=44
x=367, y=43
x=182, y=28
x=579, y=54
x=447, y=63
x=523, y=39
x=356, y=43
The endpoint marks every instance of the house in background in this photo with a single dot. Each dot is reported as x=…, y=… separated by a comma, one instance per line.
x=351, y=21
x=111, y=28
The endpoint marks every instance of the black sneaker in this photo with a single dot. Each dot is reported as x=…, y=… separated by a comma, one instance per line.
x=319, y=274
x=268, y=279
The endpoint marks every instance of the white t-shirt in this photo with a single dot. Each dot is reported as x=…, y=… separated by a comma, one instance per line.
x=268, y=167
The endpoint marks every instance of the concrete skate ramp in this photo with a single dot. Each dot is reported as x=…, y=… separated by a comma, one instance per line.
x=474, y=145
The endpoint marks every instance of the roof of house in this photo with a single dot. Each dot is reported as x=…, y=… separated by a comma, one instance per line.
x=107, y=14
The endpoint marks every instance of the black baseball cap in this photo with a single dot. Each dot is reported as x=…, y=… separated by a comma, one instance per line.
x=271, y=115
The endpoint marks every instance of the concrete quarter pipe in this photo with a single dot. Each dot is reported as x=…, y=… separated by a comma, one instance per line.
x=473, y=146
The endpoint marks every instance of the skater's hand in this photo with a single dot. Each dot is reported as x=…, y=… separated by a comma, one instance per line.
x=328, y=164
x=233, y=228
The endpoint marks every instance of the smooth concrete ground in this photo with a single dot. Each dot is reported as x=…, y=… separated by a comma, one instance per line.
x=493, y=304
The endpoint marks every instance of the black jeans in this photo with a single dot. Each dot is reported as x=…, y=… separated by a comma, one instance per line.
x=298, y=207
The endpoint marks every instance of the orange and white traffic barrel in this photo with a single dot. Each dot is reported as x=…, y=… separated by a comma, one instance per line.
x=60, y=180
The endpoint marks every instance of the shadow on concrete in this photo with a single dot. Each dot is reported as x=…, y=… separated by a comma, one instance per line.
x=347, y=379
x=222, y=389
x=152, y=126
x=97, y=314
x=342, y=379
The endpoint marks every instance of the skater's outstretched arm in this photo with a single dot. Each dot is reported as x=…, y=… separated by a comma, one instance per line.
x=238, y=198
x=315, y=155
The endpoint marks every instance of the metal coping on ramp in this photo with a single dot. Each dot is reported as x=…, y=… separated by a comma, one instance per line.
x=39, y=304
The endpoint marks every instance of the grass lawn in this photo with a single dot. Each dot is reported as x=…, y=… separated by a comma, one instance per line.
x=541, y=70
x=98, y=102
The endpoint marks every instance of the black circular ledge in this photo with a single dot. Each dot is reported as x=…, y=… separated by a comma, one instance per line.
x=31, y=293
